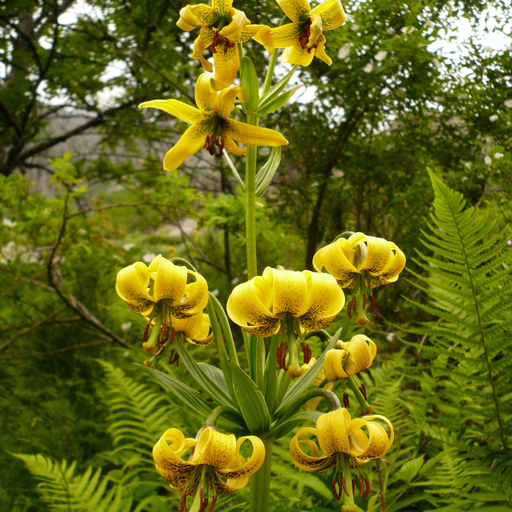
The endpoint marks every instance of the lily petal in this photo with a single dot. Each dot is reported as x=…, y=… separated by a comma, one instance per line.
x=332, y=14
x=205, y=96
x=332, y=432
x=188, y=20
x=395, y=265
x=379, y=441
x=226, y=63
x=289, y=290
x=196, y=297
x=170, y=281
x=232, y=147
x=315, y=30
x=214, y=449
x=338, y=259
x=253, y=135
x=196, y=329
x=320, y=51
x=177, y=109
x=222, y=7
x=378, y=255
x=197, y=53
x=191, y=141
x=297, y=55
x=325, y=300
x=296, y=10
x=132, y=286
x=280, y=37
x=246, y=469
x=309, y=463
x=233, y=31
x=226, y=100
x=203, y=13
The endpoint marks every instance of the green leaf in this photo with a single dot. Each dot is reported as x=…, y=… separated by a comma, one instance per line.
x=303, y=382
x=216, y=375
x=410, y=469
x=278, y=102
x=182, y=392
x=275, y=90
x=232, y=167
x=251, y=401
x=266, y=173
x=215, y=392
x=249, y=80
x=281, y=429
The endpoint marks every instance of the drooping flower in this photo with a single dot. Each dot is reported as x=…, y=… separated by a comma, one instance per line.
x=259, y=305
x=303, y=38
x=215, y=467
x=143, y=288
x=349, y=358
x=222, y=27
x=195, y=330
x=343, y=443
x=211, y=125
x=312, y=404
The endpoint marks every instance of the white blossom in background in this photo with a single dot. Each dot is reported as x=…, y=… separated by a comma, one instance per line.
x=127, y=247
x=9, y=223
x=390, y=31
x=390, y=336
x=354, y=28
x=493, y=118
x=465, y=178
x=235, y=280
x=368, y=68
x=436, y=63
x=498, y=155
x=381, y=55
x=338, y=174
x=489, y=49
x=508, y=103
x=468, y=165
x=462, y=96
x=215, y=292
x=148, y=257
x=488, y=160
x=126, y=326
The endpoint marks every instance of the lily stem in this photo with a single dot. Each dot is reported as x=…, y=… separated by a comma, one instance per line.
x=250, y=195
x=365, y=406
x=260, y=481
x=270, y=72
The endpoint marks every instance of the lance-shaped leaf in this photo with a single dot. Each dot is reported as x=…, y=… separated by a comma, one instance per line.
x=303, y=382
x=266, y=173
x=232, y=167
x=215, y=392
x=249, y=81
x=284, y=427
x=278, y=102
x=275, y=90
x=215, y=375
x=185, y=394
x=251, y=401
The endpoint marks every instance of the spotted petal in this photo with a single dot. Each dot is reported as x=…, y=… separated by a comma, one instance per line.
x=191, y=141
x=247, y=468
x=132, y=286
x=214, y=449
x=233, y=31
x=196, y=329
x=289, y=291
x=302, y=460
x=338, y=259
x=222, y=7
x=177, y=109
x=170, y=280
x=280, y=37
x=253, y=135
x=195, y=298
x=197, y=53
x=377, y=443
x=296, y=10
x=205, y=96
x=332, y=14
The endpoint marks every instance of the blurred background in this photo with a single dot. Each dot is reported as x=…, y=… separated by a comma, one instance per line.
x=413, y=84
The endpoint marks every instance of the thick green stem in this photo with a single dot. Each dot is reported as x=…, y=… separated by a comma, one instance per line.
x=270, y=72
x=260, y=481
x=348, y=501
x=365, y=406
x=250, y=195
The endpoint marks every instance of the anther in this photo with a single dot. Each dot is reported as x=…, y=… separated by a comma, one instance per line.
x=174, y=358
x=281, y=356
x=349, y=310
x=353, y=488
x=363, y=390
x=344, y=483
x=145, y=336
x=364, y=300
x=372, y=307
x=306, y=350
x=367, y=492
x=214, y=500
x=361, y=487
x=334, y=489
x=346, y=401
x=183, y=502
x=173, y=335
x=354, y=300
x=160, y=351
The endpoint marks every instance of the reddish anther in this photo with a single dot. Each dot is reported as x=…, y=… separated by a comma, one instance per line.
x=214, y=500
x=367, y=491
x=334, y=489
x=145, y=336
x=306, y=350
x=183, y=502
x=281, y=356
x=372, y=307
x=344, y=484
x=349, y=310
x=361, y=487
x=174, y=358
x=363, y=390
x=304, y=37
x=364, y=300
x=204, y=502
x=354, y=304
x=173, y=335
x=353, y=488
x=346, y=401
x=160, y=351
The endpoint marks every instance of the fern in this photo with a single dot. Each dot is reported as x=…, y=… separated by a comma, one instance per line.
x=63, y=490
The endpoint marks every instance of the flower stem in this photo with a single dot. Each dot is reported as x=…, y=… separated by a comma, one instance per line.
x=250, y=195
x=270, y=72
x=260, y=481
x=365, y=406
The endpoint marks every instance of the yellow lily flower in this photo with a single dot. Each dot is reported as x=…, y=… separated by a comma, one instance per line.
x=361, y=352
x=304, y=38
x=211, y=125
x=222, y=27
x=195, y=330
x=312, y=404
x=143, y=288
x=260, y=305
x=379, y=261
x=215, y=465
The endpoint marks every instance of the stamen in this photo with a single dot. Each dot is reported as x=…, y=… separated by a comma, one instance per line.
x=183, y=502
x=346, y=401
x=361, y=487
x=349, y=310
x=160, y=351
x=214, y=500
x=204, y=502
x=353, y=488
x=281, y=356
x=220, y=144
x=334, y=489
x=354, y=300
x=367, y=492
x=174, y=358
x=145, y=336
x=363, y=390
x=304, y=37
x=173, y=335
x=306, y=350
x=344, y=483
x=364, y=300
x=372, y=307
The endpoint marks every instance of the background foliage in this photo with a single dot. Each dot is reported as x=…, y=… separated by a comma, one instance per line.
x=82, y=194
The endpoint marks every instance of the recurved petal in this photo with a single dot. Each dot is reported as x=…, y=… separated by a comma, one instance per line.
x=196, y=297
x=379, y=441
x=220, y=485
x=244, y=469
x=315, y=29
x=222, y=6
x=225, y=100
x=251, y=30
x=337, y=258
x=302, y=460
x=332, y=14
x=132, y=286
x=331, y=431
x=362, y=353
x=253, y=135
x=203, y=13
x=249, y=307
x=214, y=449
x=289, y=291
x=167, y=454
x=297, y=55
x=320, y=51
x=333, y=364
x=196, y=329
x=232, y=147
x=197, y=53
x=191, y=141
x=233, y=31
x=280, y=37
x=188, y=21
x=395, y=265
x=204, y=94
x=296, y=10
x=324, y=300
x=177, y=109
x=170, y=279
x=226, y=63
